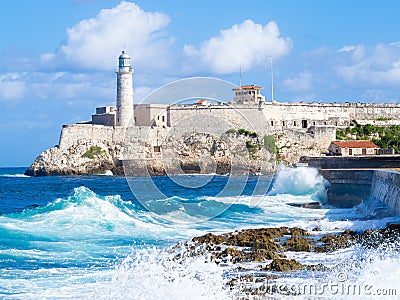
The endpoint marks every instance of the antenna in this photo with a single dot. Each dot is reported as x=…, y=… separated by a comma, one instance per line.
x=272, y=81
x=240, y=78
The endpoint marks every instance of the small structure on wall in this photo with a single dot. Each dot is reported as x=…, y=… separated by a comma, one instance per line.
x=248, y=94
x=351, y=148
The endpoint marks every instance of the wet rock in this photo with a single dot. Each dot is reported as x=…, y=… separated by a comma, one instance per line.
x=393, y=226
x=298, y=244
x=284, y=265
x=332, y=243
x=210, y=238
x=311, y=205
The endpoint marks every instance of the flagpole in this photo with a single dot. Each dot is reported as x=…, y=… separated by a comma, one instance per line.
x=272, y=81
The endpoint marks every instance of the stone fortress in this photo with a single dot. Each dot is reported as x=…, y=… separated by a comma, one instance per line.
x=193, y=134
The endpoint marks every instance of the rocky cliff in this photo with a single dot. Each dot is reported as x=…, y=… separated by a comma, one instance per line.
x=192, y=153
x=236, y=151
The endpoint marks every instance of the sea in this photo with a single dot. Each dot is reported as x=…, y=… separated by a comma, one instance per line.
x=111, y=237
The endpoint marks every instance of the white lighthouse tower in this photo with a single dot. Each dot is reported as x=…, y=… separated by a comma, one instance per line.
x=124, y=91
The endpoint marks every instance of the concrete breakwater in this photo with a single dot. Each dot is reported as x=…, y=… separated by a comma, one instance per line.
x=385, y=186
x=349, y=187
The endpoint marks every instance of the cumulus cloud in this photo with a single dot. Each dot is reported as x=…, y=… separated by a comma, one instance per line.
x=370, y=67
x=244, y=45
x=299, y=83
x=94, y=43
x=12, y=86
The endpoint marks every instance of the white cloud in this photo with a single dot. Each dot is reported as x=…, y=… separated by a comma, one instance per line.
x=12, y=87
x=95, y=43
x=370, y=67
x=347, y=48
x=300, y=83
x=245, y=45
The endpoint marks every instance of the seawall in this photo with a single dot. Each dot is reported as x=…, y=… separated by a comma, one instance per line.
x=349, y=187
x=385, y=186
x=353, y=162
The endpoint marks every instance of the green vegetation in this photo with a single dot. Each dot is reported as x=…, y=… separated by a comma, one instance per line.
x=269, y=143
x=382, y=118
x=93, y=151
x=250, y=145
x=231, y=131
x=244, y=132
x=384, y=136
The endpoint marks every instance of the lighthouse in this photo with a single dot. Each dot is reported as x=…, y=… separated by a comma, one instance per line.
x=124, y=91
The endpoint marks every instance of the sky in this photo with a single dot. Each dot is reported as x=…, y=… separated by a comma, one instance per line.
x=58, y=58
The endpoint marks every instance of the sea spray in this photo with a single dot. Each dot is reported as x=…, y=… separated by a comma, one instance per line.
x=299, y=181
x=155, y=274
x=86, y=236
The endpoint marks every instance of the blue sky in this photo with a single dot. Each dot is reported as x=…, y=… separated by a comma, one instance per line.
x=57, y=58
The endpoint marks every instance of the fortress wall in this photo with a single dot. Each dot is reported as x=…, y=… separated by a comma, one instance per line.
x=336, y=114
x=386, y=188
x=230, y=117
x=135, y=141
x=71, y=134
x=316, y=137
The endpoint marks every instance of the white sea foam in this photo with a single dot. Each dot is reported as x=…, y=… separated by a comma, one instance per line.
x=84, y=229
x=14, y=175
x=298, y=182
x=107, y=173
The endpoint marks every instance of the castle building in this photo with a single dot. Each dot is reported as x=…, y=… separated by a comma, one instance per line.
x=248, y=106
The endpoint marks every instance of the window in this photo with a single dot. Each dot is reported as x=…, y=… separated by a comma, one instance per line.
x=294, y=123
x=350, y=151
x=163, y=118
x=283, y=123
x=304, y=123
x=157, y=149
x=364, y=151
x=272, y=123
x=313, y=123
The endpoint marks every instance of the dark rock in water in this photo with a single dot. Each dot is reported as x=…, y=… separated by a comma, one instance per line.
x=210, y=238
x=298, y=244
x=332, y=243
x=382, y=237
x=312, y=205
x=284, y=265
x=317, y=267
x=393, y=226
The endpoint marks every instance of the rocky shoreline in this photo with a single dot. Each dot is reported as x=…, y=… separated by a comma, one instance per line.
x=258, y=253
x=235, y=152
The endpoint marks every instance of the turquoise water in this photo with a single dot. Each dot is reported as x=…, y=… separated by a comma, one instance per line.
x=85, y=237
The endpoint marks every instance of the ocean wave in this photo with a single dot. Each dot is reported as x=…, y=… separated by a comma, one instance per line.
x=299, y=182
x=14, y=175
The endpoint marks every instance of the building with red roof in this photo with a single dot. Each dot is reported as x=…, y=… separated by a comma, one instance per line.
x=248, y=94
x=351, y=148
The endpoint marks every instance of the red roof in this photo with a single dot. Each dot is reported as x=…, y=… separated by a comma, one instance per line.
x=201, y=101
x=355, y=144
x=248, y=87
